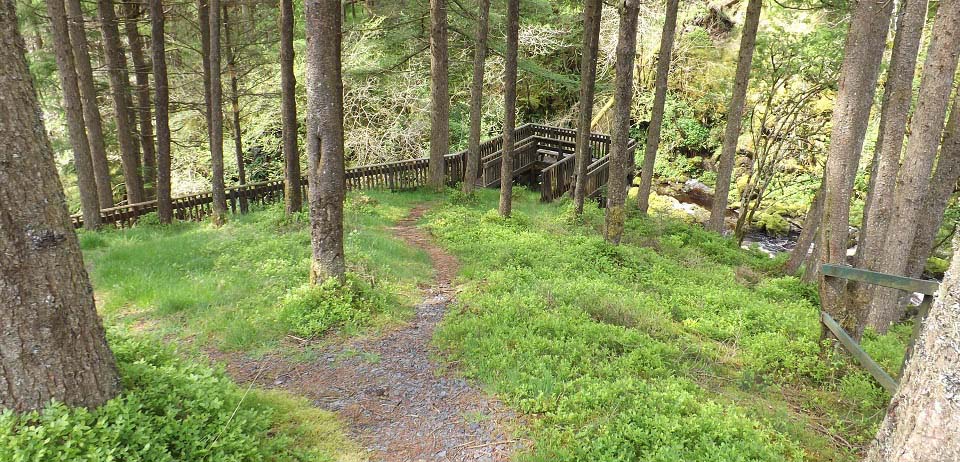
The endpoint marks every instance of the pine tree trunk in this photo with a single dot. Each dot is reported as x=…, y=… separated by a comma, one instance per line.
x=913, y=185
x=509, y=108
x=659, y=101
x=942, y=187
x=731, y=133
x=439, y=94
x=203, y=19
x=216, y=118
x=53, y=347
x=325, y=163
x=293, y=200
x=116, y=65
x=91, y=109
x=897, y=99
x=235, y=105
x=620, y=161
x=141, y=70
x=811, y=223
x=863, y=52
x=592, y=12
x=476, y=98
x=162, y=102
x=923, y=417
x=86, y=180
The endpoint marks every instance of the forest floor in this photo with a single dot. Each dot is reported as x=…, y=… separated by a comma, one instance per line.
x=395, y=400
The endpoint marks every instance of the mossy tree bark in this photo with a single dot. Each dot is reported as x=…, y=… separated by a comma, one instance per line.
x=476, y=97
x=141, y=69
x=53, y=347
x=652, y=142
x=119, y=89
x=293, y=200
x=439, y=94
x=63, y=50
x=91, y=108
x=592, y=12
x=811, y=224
x=913, y=184
x=218, y=190
x=325, y=164
x=509, y=108
x=230, y=49
x=620, y=161
x=731, y=133
x=162, y=102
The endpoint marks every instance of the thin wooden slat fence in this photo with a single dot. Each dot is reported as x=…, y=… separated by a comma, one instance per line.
x=928, y=288
x=395, y=176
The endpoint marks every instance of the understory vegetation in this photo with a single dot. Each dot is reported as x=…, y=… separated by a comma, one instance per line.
x=678, y=345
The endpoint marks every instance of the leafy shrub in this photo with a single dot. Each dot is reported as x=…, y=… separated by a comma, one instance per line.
x=169, y=410
x=311, y=310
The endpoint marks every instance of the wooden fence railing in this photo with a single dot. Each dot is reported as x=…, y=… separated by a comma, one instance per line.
x=927, y=288
x=397, y=175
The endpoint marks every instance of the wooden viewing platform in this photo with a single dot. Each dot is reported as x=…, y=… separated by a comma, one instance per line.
x=544, y=156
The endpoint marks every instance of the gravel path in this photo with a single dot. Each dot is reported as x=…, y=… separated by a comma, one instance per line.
x=388, y=390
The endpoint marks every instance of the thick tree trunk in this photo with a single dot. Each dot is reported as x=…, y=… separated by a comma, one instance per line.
x=731, y=133
x=923, y=417
x=897, y=98
x=325, y=164
x=53, y=347
x=942, y=187
x=216, y=118
x=863, y=52
x=659, y=101
x=476, y=98
x=141, y=69
x=86, y=180
x=162, y=102
x=913, y=185
x=592, y=12
x=439, y=94
x=509, y=107
x=203, y=19
x=91, y=109
x=620, y=161
x=293, y=200
x=116, y=65
x=811, y=223
x=234, y=105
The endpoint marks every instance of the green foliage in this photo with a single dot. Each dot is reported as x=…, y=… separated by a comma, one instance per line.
x=311, y=310
x=170, y=410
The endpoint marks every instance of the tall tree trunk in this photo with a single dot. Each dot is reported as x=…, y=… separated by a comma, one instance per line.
x=53, y=346
x=923, y=417
x=293, y=200
x=509, y=107
x=116, y=65
x=439, y=94
x=235, y=105
x=216, y=118
x=913, y=185
x=141, y=69
x=203, y=19
x=325, y=164
x=86, y=181
x=592, y=12
x=659, y=101
x=863, y=52
x=476, y=98
x=811, y=223
x=620, y=161
x=731, y=133
x=91, y=109
x=897, y=98
x=162, y=101
x=942, y=187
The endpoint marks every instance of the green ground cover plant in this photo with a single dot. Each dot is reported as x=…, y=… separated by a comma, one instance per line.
x=677, y=345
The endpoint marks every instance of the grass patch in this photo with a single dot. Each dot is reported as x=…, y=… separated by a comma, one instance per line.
x=677, y=345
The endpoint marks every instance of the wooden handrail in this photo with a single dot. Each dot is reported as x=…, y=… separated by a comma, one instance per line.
x=881, y=279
